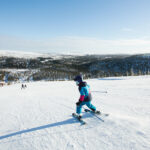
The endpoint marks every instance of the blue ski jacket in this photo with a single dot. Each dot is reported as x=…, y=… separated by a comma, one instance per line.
x=85, y=93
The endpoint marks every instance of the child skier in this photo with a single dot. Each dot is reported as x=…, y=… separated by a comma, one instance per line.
x=85, y=96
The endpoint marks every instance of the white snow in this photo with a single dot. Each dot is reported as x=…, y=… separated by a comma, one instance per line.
x=21, y=54
x=39, y=117
x=27, y=55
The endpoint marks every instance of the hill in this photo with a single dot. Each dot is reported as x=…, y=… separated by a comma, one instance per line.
x=39, y=117
x=65, y=67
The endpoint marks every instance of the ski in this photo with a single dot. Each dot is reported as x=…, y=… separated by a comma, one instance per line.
x=79, y=119
x=100, y=114
x=97, y=115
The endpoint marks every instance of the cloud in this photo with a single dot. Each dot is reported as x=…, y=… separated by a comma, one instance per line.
x=76, y=45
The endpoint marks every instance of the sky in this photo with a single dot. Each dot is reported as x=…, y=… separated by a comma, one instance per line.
x=75, y=26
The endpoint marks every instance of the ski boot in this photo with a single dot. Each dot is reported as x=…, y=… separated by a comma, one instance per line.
x=96, y=111
x=79, y=117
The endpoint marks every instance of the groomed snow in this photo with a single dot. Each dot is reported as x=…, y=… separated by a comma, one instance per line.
x=39, y=117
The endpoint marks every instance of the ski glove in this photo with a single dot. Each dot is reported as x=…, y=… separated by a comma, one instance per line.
x=81, y=98
x=78, y=103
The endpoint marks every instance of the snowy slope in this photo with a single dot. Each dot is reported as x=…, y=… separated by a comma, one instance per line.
x=39, y=117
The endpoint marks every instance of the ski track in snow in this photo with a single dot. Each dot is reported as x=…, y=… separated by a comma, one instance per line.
x=39, y=117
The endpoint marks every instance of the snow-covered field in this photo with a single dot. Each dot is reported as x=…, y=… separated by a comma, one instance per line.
x=39, y=117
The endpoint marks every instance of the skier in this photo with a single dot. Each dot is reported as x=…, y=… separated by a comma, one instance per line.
x=85, y=96
x=22, y=86
x=25, y=86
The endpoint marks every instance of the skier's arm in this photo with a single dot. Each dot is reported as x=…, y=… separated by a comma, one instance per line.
x=81, y=98
x=82, y=95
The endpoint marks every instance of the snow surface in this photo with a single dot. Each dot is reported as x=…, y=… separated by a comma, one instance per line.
x=39, y=117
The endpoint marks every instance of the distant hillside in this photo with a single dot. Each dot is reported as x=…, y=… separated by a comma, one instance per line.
x=65, y=67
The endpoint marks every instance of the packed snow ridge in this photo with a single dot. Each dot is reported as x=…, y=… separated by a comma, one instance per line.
x=39, y=117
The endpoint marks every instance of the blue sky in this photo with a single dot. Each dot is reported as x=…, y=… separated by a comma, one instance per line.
x=75, y=26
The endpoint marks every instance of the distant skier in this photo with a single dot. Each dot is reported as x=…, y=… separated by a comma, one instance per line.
x=22, y=86
x=85, y=96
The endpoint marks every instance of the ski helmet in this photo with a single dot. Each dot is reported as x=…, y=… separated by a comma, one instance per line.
x=78, y=78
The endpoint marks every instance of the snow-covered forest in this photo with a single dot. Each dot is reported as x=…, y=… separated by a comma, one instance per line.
x=27, y=67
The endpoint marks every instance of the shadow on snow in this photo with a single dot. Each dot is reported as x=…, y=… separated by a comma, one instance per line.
x=65, y=122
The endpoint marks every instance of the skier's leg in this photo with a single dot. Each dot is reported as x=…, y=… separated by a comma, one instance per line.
x=89, y=105
x=79, y=108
